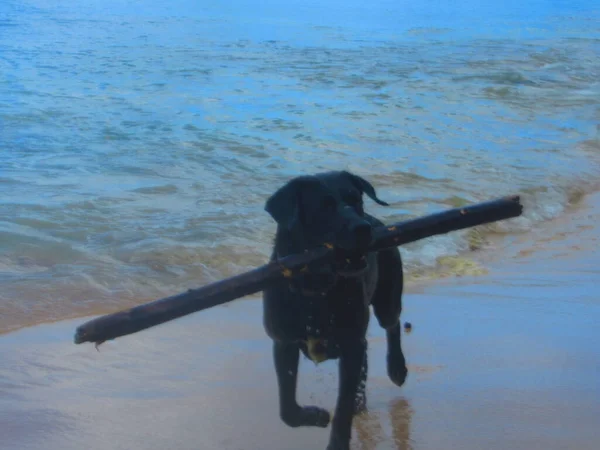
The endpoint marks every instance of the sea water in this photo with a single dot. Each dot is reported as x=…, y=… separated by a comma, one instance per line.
x=140, y=140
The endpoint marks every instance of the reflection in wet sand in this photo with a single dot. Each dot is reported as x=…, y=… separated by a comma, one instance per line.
x=370, y=429
x=400, y=417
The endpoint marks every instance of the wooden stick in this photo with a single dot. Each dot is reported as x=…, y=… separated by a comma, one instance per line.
x=154, y=313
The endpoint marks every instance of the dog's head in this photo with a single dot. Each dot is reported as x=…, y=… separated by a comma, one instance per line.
x=324, y=208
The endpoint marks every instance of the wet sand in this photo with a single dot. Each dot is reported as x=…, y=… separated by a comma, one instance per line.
x=509, y=360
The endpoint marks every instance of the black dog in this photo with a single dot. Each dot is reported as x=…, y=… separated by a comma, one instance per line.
x=325, y=313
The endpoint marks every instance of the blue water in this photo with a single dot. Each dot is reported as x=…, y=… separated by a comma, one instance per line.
x=139, y=140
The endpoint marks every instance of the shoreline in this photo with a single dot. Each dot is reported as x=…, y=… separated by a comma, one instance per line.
x=505, y=360
x=472, y=263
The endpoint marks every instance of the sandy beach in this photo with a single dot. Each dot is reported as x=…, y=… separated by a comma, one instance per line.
x=140, y=142
x=505, y=360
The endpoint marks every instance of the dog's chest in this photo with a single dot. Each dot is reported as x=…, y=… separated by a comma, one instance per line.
x=339, y=308
x=339, y=314
x=320, y=316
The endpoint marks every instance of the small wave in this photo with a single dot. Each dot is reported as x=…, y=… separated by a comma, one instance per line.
x=20, y=265
x=425, y=31
x=448, y=254
x=163, y=189
x=189, y=261
x=504, y=93
x=114, y=134
x=541, y=204
x=446, y=267
x=509, y=77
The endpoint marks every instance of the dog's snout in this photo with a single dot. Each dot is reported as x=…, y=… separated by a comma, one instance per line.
x=363, y=234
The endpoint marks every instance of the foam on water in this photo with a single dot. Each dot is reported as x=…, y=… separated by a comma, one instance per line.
x=138, y=146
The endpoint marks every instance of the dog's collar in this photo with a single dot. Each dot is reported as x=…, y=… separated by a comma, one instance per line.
x=307, y=292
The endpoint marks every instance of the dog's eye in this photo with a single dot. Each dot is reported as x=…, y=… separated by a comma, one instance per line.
x=329, y=203
x=353, y=198
x=360, y=208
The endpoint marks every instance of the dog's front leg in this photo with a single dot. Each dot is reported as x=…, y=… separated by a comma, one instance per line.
x=286, y=356
x=360, y=405
x=352, y=356
x=396, y=363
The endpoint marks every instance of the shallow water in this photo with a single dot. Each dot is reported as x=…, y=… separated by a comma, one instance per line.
x=138, y=142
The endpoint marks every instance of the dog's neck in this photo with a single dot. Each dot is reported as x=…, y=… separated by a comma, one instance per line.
x=310, y=284
x=286, y=243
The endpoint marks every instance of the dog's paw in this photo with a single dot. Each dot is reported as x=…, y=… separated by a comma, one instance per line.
x=397, y=370
x=315, y=416
x=307, y=416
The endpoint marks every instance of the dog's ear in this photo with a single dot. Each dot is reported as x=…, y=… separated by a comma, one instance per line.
x=365, y=187
x=283, y=205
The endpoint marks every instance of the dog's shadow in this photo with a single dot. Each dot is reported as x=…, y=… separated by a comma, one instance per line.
x=370, y=428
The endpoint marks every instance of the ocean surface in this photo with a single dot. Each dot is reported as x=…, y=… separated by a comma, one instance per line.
x=140, y=140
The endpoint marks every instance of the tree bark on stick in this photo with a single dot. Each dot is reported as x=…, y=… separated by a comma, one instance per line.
x=154, y=313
